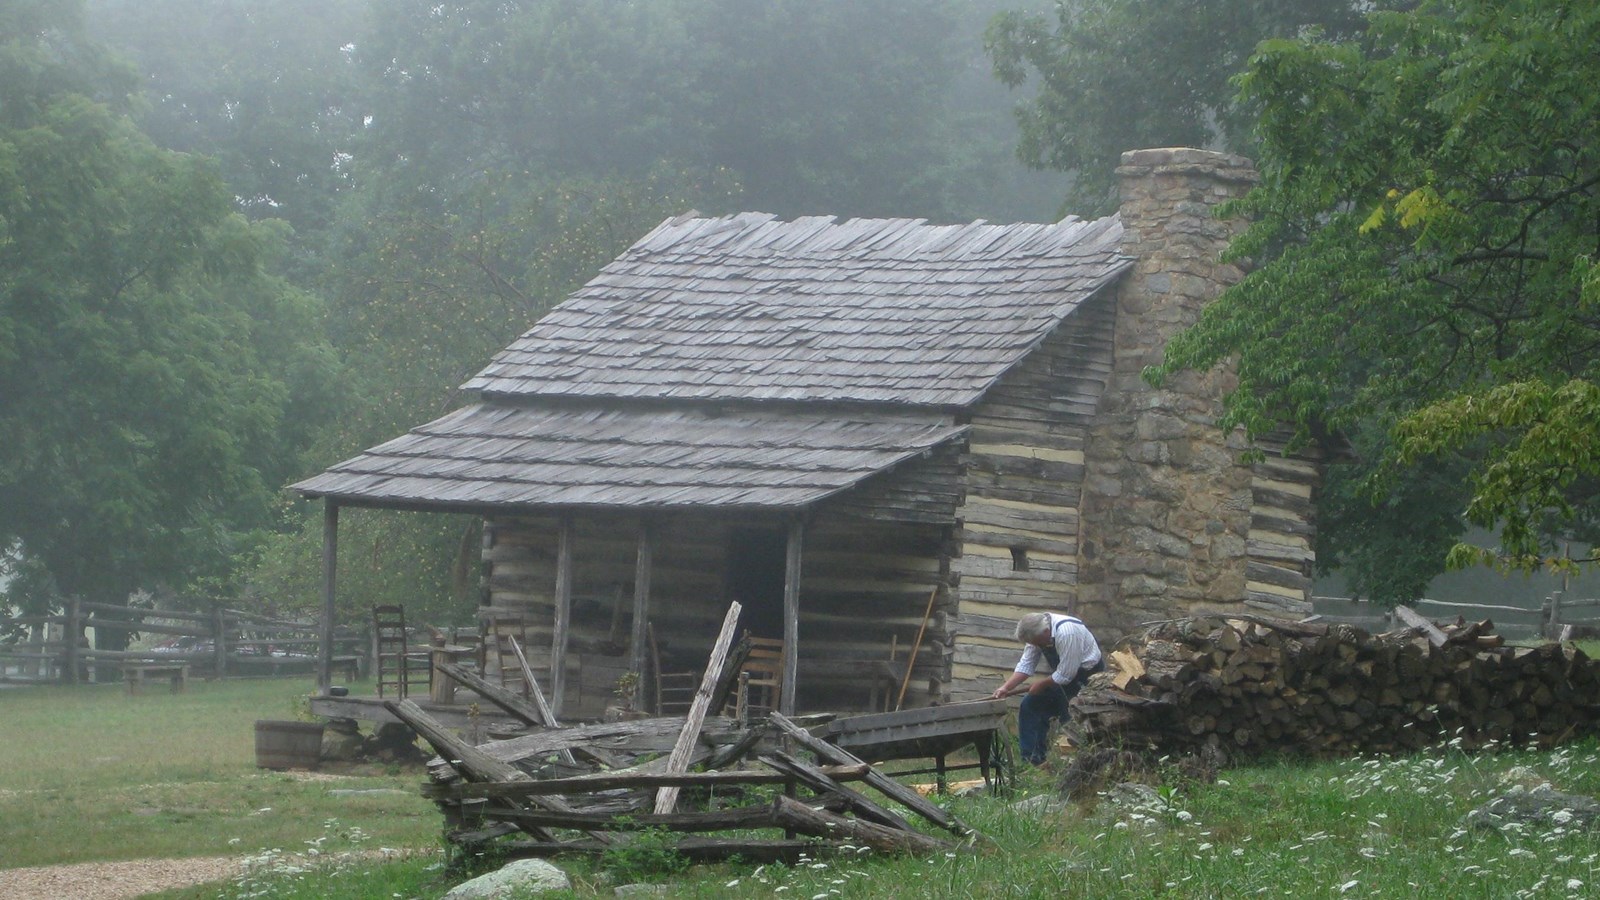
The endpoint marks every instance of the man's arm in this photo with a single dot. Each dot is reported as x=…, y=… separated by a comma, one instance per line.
x=1010, y=686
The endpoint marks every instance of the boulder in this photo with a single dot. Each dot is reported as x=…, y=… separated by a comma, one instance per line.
x=522, y=878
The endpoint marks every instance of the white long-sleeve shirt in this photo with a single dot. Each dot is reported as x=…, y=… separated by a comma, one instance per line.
x=1075, y=645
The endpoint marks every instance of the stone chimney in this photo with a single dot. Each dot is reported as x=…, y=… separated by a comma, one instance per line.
x=1167, y=501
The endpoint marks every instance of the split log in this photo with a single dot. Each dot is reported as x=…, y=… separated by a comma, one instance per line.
x=802, y=819
x=692, y=848
x=470, y=761
x=667, y=797
x=547, y=716
x=613, y=781
x=890, y=788
x=822, y=783
x=1256, y=686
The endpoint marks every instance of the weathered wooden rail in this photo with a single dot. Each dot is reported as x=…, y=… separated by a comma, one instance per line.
x=225, y=643
x=1557, y=618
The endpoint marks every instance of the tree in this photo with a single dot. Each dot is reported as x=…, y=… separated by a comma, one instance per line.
x=1117, y=75
x=1426, y=232
x=268, y=90
x=158, y=381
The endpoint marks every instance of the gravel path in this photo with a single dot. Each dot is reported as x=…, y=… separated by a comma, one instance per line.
x=113, y=880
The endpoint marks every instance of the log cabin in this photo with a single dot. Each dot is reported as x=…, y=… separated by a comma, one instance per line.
x=885, y=438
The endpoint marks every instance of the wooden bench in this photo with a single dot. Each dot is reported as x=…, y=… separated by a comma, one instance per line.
x=134, y=675
x=348, y=666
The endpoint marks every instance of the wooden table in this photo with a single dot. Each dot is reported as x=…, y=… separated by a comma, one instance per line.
x=134, y=674
x=932, y=731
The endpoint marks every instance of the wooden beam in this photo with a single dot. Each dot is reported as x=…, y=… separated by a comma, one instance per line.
x=642, y=567
x=667, y=797
x=615, y=781
x=798, y=817
x=823, y=783
x=547, y=716
x=524, y=711
x=890, y=788
x=472, y=763
x=791, y=616
x=563, y=623
x=330, y=565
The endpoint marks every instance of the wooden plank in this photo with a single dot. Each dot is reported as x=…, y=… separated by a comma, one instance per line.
x=678, y=761
x=563, y=622
x=472, y=763
x=791, y=617
x=798, y=817
x=547, y=716
x=642, y=568
x=890, y=788
x=821, y=782
x=330, y=564
x=519, y=708
x=612, y=781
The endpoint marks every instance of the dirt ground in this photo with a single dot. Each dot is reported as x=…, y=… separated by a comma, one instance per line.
x=113, y=880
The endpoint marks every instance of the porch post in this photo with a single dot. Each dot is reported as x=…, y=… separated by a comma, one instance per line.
x=641, y=607
x=330, y=563
x=791, y=616
x=558, y=649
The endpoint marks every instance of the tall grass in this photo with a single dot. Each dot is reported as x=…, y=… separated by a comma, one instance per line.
x=1369, y=827
x=88, y=773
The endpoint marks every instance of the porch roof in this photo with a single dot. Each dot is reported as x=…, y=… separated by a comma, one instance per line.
x=498, y=457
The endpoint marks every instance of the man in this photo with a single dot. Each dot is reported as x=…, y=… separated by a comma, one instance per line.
x=1072, y=655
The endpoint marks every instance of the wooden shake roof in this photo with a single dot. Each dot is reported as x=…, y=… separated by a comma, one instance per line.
x=497, y=456
x=744, y=362
x=868, y=310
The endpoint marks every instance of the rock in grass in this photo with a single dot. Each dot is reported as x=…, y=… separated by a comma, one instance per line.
x=1541, y=806
x=523, y=878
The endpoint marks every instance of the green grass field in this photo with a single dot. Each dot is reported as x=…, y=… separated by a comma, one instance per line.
x=91, y=775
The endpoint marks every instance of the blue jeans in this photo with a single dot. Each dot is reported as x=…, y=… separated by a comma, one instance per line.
x=1038, y=710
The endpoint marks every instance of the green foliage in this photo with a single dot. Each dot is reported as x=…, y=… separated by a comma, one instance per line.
x=1117, y=75
x=149, y=358
x=644, y=855
x=1425, y=235
x=267, y=90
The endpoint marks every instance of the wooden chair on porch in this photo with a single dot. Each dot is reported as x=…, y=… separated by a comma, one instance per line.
x=760, y=678
x=396, y=664
x=499, y=661
x=674, y=691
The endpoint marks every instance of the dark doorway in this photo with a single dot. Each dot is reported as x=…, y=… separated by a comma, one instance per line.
x=756, y=563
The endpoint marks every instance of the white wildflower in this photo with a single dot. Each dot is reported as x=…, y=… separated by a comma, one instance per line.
x=1574, y=884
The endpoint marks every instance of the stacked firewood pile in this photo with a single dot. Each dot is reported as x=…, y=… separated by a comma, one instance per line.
x=584, y=789
x=1248, y=685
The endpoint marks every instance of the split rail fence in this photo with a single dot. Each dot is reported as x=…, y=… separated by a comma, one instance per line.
x=1558, y=618
x=220, y=643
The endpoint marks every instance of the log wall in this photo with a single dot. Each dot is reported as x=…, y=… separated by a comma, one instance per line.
x=1019, y=540
x=1282, y=526
x=864, y=588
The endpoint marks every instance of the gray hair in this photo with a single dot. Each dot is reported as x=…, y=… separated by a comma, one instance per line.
x=1032, y=627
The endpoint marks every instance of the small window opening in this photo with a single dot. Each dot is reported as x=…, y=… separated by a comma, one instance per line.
x=1019, y=559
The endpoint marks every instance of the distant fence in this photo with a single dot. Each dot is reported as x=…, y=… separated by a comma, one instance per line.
x=1558, y=618
x=222, y=643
